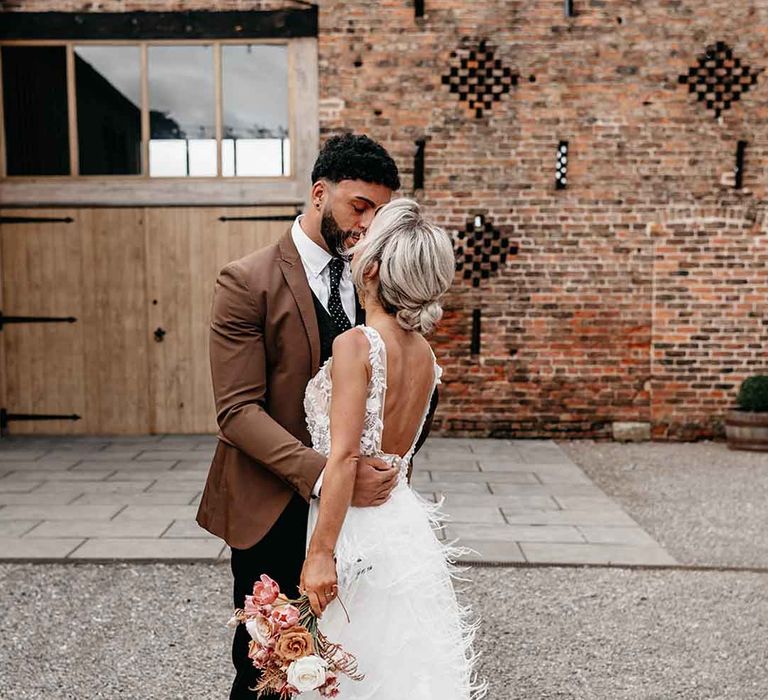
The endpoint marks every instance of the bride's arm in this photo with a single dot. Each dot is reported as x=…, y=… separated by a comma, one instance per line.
x=349, y=373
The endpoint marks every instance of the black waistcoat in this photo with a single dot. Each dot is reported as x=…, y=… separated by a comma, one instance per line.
x=327, y=327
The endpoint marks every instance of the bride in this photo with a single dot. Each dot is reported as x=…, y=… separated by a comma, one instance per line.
x=383, y=566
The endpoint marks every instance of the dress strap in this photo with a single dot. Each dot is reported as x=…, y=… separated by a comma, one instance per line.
x=377, y=356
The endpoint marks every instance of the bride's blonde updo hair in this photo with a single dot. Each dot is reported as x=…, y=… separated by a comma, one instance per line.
x=416, y=264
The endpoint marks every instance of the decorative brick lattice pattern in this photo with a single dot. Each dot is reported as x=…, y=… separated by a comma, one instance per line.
x=719, y=79
x=480, y=250
x=478, y=77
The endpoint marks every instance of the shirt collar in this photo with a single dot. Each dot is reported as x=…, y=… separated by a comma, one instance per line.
x=314, y=257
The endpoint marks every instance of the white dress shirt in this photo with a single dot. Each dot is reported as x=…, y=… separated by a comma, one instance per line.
x=315, y=260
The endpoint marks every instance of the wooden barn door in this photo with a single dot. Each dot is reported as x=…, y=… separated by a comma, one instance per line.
x=106, y=314
x=186, y=248
x=74, y=320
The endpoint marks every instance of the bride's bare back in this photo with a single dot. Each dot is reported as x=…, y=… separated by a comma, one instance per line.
x=410, y=383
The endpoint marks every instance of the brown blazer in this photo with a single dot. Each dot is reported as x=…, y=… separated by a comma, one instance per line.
x=265, y=347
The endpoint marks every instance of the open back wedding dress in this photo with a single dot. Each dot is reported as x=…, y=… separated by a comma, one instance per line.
x=412, y=639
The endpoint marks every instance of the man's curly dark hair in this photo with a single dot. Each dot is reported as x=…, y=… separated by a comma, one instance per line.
x=355, y=157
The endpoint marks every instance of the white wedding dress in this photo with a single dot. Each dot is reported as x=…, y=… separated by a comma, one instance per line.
x=411, y=638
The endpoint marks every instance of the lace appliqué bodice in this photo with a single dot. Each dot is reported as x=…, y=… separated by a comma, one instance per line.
x=317, y=405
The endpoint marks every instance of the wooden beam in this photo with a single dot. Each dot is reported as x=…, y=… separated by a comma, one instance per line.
x=74, y=26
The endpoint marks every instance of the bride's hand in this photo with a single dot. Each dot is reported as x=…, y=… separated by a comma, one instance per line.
x=318, y=580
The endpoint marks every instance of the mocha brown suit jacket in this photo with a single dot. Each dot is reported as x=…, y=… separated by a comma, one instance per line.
x=265, y=347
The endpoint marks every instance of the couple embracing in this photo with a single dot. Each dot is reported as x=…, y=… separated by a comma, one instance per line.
x=325, y=388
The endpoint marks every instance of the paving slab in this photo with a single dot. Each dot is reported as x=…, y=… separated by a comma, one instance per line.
x=38, y=497
x=490, y=500
x=616, y=535
x=70, y=512
x=18, y=486
x=575, y=553
x=49, y=465
x=17, y=548
x=100, y=529
x=157, y=511
x=113, y=497
x=187, y=528
x=40, y=475
x=492, y=550
x=147, y=548
x=445, y=465
x=16, y=455
x=558, y=489
x=475, y=514
x=175, y=455
x=186, y=465
x=126, y=487
x=520, y=477
x=513, y=533
x=613, y=518
x=155, y=498
x=16, y=528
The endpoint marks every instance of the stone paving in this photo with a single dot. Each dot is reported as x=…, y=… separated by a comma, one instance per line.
x=135, y=498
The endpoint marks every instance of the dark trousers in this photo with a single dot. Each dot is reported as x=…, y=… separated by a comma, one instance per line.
x=280, y=555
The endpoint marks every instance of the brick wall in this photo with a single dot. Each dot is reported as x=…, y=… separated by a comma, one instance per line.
x=637, y=293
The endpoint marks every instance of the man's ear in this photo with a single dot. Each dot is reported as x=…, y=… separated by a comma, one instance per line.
x=319, y=193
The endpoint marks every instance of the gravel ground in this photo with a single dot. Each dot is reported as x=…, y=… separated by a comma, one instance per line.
x=155, y=632
x=704, y=503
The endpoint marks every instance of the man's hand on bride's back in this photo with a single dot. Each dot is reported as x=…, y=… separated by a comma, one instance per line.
x=374, y=482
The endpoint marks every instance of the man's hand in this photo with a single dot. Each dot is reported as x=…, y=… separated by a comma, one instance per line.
x=374, y=482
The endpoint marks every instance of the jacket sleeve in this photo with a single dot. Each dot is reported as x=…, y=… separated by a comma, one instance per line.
x=238, y=370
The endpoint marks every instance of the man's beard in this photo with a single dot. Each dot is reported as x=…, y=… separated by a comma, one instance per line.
x=335, y=237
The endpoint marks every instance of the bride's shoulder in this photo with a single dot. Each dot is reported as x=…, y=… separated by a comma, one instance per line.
x=352, y=344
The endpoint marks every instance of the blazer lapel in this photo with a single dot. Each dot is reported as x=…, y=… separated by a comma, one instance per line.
x=296, y=278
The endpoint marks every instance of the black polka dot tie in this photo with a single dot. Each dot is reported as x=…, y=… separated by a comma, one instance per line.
x=335, y=309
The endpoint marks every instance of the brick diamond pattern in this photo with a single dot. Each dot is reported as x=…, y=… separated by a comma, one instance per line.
x=480, y=250
x=478, y=78
x=719, y=78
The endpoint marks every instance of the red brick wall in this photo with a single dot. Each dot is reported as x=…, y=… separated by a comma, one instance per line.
x=592, y=321
x=638, y=293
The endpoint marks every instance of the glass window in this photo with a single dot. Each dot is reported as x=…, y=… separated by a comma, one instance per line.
x=182, y=115
x=35, y=110
x=147, y=109
x=255, y=110
x=108, y=86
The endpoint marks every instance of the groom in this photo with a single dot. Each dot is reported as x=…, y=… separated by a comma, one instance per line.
x=275, y=315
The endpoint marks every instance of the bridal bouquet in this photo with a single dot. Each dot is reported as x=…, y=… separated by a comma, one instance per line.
x=287, y=646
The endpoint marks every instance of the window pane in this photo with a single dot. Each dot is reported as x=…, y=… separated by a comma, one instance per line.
x=35, y=110
x=255, y=110
x=182, y=114
x=108, y=109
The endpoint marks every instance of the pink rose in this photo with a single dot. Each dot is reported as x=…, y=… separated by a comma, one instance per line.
x=265, y=591
x=260, y=656
x=251, y=607
x=285, y=616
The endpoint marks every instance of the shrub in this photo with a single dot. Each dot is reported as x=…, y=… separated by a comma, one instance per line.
x=753, y=394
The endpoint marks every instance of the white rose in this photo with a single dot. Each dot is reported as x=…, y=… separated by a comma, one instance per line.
x=307, y=673
x=260, y=630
